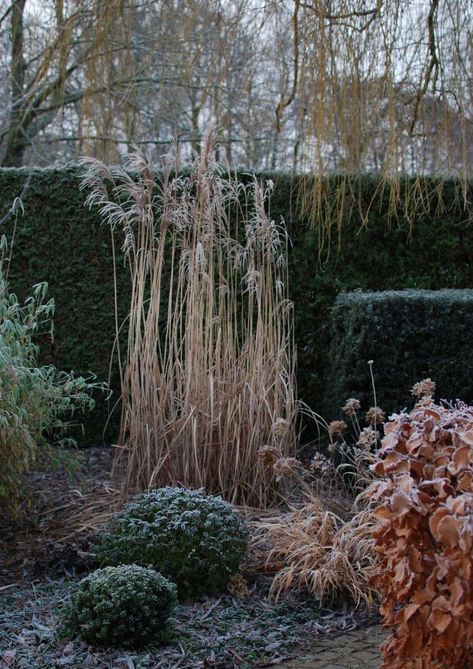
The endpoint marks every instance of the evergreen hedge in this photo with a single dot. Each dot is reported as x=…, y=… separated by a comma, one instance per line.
x=410, y=335
x=61, y=242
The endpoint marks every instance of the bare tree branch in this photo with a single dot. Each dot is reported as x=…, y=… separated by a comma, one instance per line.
x=431, y=73
x=285, y=102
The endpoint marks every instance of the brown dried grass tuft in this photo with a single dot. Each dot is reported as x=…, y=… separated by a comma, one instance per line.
x=209, y=373
x=312, y=550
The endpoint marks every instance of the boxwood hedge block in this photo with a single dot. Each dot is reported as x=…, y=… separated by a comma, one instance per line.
x=410, y=335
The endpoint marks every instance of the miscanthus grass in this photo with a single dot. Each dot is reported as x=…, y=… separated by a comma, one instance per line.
x=208, y=378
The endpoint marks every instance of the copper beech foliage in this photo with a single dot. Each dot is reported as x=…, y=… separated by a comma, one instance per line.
x=425, y=537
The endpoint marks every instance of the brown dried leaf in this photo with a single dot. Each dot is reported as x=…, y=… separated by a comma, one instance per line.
x=467, y=436
x=440, y=619
x=445, y=527
x=401, y=503
x=465, y=481
x=462, y=458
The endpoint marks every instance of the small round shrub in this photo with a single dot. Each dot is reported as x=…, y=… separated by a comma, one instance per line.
x=121, y=607
x=196, y=540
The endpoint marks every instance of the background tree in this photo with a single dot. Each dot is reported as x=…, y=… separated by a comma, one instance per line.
x=61, y=54
x=387, y=86
x=347, y=86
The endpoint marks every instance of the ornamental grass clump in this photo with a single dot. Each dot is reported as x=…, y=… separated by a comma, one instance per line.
x=196, y=540
x=424, y=535
x=35, y=401
x=314, y=551
x=209, y=374
x=121, y=607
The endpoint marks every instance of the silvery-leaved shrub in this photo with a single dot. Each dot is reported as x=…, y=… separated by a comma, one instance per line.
x=197, y=540
x=122, y=607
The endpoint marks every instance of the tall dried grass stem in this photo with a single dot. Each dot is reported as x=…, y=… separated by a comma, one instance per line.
x=209, y=372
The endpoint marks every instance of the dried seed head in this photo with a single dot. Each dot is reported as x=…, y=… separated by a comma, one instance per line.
x=375, y=416
x=200, y=260
x=252, y=279
x=368, y=438
x=424, y=388
x=319, y=464
x=238, y=586
x=352, y=405
x=267, y=456
x=285, y=467
x=336, y=428
x=424, y=401
x=279, y=427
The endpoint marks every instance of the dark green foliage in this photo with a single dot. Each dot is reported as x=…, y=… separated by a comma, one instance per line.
x=197, y=540
x=410, y=335
x=61, y=242
x=121, y=607
x=37, y=403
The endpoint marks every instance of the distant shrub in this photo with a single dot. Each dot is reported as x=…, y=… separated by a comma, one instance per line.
x=197, y=540
x=122, y=607
x=410, y=335
x=33, y=400
x=424, y=535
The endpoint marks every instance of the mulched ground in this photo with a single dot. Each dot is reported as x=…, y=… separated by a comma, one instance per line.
x=218, y=632
x=51, y=544
x=63, y=506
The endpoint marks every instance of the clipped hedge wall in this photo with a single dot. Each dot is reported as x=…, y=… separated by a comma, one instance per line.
x=60, y=241
x=410, y=335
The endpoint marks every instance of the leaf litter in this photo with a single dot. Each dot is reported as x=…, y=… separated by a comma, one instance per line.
x=214, y=633
x=43, y=554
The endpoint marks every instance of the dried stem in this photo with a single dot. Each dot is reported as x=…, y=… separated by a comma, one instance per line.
x=210, y=363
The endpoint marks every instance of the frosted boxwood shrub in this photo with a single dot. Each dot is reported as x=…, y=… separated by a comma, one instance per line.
x=122, y=607
x=197, y=540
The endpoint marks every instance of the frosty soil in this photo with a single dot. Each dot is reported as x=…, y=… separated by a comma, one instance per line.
x=51, y=543
x=217, y=632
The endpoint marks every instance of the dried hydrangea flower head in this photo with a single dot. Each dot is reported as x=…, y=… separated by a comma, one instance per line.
x=284, y=467
x=375, y=416
x=336, y=428
x=368, y=438
x=267, y=456
x=424, y=388
x=351, y=407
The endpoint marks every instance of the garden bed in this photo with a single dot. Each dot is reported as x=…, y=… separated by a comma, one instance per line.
x=51, y=544
x=227, y=631
x=63, y=504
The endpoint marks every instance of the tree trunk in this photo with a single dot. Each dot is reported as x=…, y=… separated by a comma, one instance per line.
x=16, y=144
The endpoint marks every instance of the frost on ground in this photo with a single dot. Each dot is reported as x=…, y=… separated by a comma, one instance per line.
x=220, y=632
